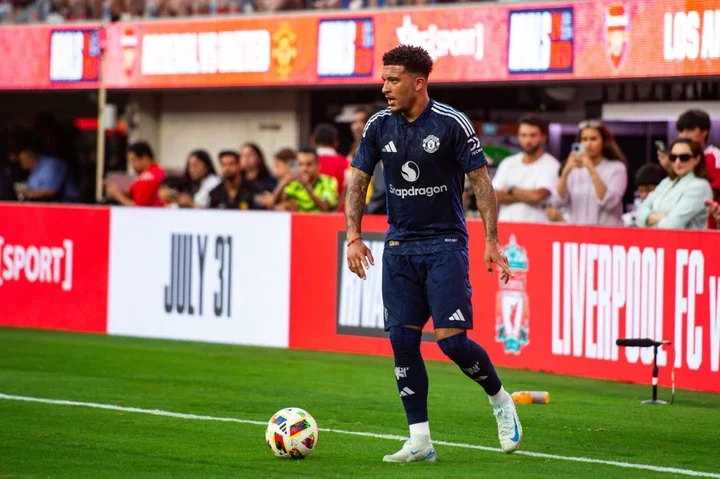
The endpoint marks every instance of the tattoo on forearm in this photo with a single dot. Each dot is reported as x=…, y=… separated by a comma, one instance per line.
x=486, y=201
x=355, y=201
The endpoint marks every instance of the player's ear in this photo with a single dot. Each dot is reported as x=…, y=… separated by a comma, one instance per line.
x=420, y=82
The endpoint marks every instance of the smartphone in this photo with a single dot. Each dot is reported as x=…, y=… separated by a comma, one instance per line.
x=660, y=145
x=577, y=148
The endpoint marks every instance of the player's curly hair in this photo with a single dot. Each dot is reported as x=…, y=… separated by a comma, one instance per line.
x=415, y=59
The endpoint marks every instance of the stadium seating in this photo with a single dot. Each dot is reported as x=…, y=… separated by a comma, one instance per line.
x=66, y=11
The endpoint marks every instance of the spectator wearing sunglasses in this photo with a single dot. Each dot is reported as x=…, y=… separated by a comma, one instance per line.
x=679, y=202
x=696, y=124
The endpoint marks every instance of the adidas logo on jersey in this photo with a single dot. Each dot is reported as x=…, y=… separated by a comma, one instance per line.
x=457, y=316
x=390, y=148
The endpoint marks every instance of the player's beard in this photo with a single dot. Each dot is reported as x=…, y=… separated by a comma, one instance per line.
x=401, y=110
x=398, y=108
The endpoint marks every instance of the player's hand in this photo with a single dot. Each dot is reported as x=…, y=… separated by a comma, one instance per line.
x=359, y=258
x=493, y=254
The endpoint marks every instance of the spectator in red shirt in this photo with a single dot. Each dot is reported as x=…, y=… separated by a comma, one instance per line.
x=695, y=124
x=326, y=139
x=144, y=191
x=714, y=210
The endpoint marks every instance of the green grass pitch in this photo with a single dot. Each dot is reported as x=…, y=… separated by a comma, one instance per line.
x=585, y=419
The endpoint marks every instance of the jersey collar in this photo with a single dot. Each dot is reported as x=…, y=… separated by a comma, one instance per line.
x=419, y=120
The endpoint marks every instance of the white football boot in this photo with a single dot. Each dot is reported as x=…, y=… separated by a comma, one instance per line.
x=414, y=450
x=509, y=428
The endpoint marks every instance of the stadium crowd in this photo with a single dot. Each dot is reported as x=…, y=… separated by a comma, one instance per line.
x=310, y=179
x=680, y=191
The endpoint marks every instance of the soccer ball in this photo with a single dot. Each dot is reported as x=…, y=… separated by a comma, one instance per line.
x=292, y=433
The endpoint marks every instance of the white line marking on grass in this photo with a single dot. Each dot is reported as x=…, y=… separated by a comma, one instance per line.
x=159, y=412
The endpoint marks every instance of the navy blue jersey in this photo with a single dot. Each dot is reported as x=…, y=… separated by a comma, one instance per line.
x=424, y=166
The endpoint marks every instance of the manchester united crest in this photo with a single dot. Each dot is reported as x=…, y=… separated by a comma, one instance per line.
x=431, y=143
x=512, y=308
x=617, y=33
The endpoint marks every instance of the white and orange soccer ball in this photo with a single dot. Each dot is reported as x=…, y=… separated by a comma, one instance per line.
x=292, y=433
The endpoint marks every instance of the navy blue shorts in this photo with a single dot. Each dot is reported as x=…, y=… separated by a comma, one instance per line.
x=415, y=287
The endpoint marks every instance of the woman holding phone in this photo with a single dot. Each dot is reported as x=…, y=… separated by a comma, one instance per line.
x=680, y=202
x=593, y=179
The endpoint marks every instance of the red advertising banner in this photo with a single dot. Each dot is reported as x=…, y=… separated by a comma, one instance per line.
x=49, y=57
x=645, y=38
x=608, y=39
x=54, y=267
x=213, y=52
x=572, y=41
x=575, y=291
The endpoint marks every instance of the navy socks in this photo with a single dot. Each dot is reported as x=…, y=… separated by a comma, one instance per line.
x=473, y=360
x=410, y=373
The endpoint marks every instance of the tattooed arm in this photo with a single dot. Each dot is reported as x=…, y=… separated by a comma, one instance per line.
x=487, y=205
x=486, y=201
x=355, y=202
x=359, y=256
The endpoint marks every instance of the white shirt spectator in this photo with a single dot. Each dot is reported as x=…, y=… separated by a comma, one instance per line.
x=541, y=173
x=202, y=197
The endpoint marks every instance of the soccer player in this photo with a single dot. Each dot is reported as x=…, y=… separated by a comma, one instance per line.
x=427, y=148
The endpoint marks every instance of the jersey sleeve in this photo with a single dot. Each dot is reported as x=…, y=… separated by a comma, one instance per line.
x=368, y=154
x=468, y=149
